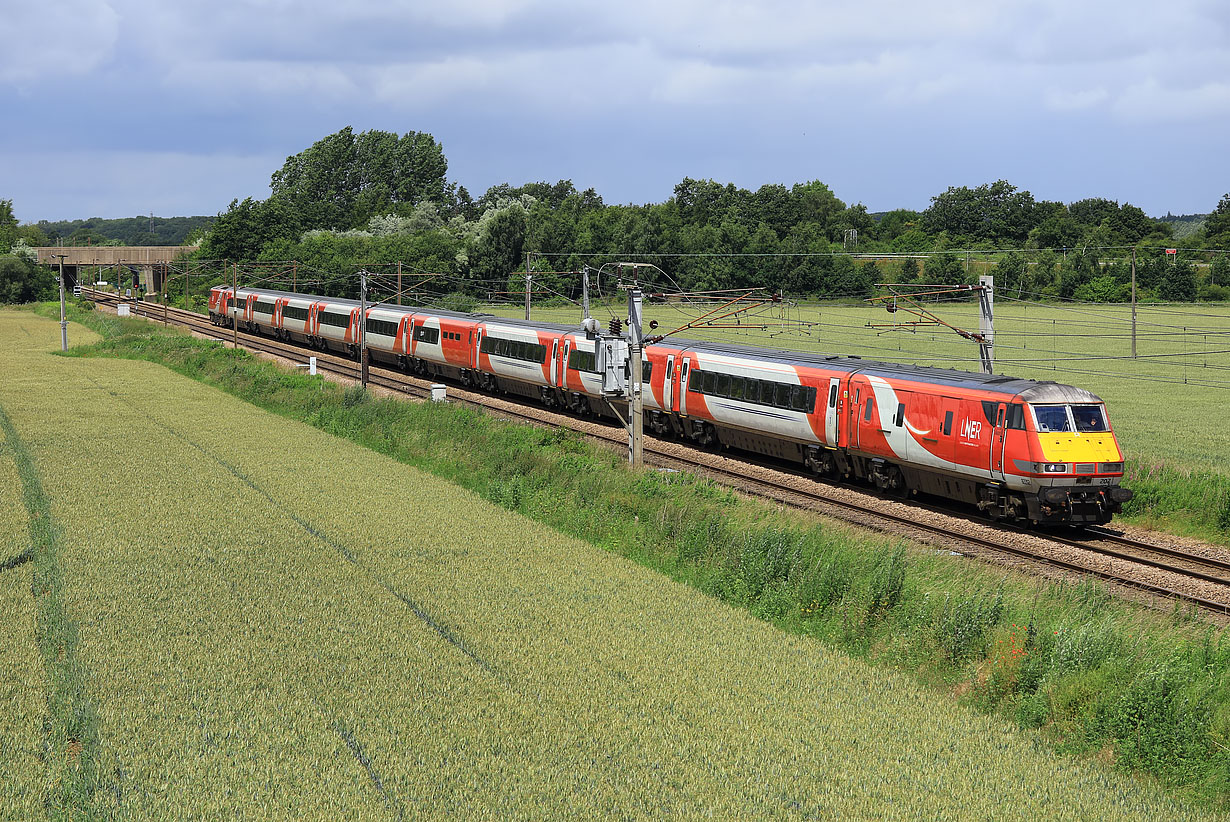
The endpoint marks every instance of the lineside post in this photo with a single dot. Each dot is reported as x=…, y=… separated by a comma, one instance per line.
x=1133, y=302
x=63, y=317
x=363, y=327
x=636, y=417
x=527, y=286
x=235, y=299
x=986, y=323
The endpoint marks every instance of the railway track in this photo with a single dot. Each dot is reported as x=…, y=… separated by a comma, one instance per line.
x=1186, y=576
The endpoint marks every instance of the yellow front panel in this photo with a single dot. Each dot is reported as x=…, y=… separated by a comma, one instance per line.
x=1100, y=447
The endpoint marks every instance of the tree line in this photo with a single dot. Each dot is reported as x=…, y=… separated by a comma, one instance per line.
x=375, y=198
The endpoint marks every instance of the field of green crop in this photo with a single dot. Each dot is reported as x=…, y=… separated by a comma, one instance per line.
x=273, y=622
x=21, y=683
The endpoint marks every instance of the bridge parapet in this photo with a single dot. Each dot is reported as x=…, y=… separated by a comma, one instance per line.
x=140, y=255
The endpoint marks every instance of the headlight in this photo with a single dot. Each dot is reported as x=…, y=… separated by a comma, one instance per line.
x=1054, y=468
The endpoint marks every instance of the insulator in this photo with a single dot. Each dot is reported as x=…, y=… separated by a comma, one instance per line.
x=616, y=326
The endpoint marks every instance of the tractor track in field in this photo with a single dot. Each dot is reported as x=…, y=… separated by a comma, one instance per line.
x=1150, y=570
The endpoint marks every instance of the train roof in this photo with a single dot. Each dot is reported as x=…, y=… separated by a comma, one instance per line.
x=409, y=309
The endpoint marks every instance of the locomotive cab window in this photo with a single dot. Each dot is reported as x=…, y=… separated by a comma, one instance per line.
x=1090, y=419
x=1051, y=418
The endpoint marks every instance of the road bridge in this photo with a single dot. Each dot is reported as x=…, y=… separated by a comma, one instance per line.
x=126, y=266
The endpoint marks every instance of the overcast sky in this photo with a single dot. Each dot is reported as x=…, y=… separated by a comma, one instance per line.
x=114, y=108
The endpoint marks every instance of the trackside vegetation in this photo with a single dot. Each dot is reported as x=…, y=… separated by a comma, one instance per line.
x=1095, y=676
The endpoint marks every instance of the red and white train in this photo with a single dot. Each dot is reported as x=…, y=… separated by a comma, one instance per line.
x=1040, y=452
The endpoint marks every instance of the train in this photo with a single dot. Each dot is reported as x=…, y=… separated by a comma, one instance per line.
x=1037, y=453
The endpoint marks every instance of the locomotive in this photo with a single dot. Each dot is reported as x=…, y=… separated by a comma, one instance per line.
x=1037, y=452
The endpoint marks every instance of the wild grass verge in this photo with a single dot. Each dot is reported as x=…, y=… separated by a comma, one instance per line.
x=1097, y=677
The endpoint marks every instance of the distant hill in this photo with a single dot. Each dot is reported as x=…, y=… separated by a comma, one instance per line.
x=124, y=231
x=1184, y=225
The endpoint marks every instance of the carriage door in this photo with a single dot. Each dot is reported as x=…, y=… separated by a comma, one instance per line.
x=554, y=361
x=997, y=442
x=563, y=365
x=683, y=387
x=830, y=413
x=668, y=384
x=478, y=347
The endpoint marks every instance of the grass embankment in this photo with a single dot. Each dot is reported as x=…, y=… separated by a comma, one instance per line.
x=1097, y=676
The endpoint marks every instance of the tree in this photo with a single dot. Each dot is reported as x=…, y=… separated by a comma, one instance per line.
x=343, y=180
x=1219, y=270
x=1218, y=222
x=8, y=226
x=1009, y=273
x=996, y=212
x=1180, y=285
x=944, y=269
x=893, y=224
x=243, y=231
x=909, y=270
x=21, y=281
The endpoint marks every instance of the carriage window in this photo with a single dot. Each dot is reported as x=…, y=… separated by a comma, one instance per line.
x=383, y=327
x=900, y=413
x=579, y=360
x=723, y=385
x=867, y=415
x=798, y=398
x=1089, y=418
x=947, y=423
x=737, y=384
x=833, y=396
